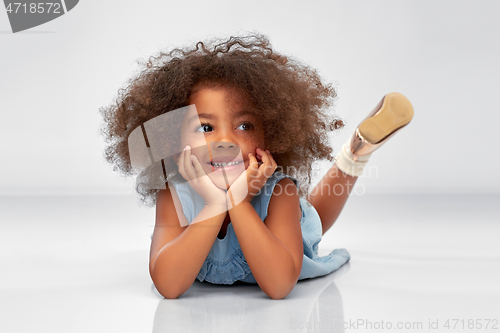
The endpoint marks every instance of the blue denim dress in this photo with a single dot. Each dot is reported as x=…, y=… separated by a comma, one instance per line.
x=226, y=264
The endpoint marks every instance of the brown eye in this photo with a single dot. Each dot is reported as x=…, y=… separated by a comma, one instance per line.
x=204, y=128
x=245, y=127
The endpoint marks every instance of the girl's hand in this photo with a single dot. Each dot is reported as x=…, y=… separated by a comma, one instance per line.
x=191, y=169
x=249, y=183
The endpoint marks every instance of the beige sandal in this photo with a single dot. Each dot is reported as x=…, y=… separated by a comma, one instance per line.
x=392, y=114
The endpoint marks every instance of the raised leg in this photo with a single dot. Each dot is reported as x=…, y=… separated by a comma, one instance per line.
x=330, y=195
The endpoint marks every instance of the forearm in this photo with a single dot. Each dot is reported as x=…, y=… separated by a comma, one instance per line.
x=270, y=261
x=177, y=264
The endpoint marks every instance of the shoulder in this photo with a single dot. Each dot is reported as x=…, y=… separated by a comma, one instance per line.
x=164, y=205
x=285, y=201
x=282, y=179
x=280, y=189
x=167, y=203
x=187, y=202
x=286, y=186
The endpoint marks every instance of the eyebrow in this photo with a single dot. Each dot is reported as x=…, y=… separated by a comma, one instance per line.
x=209, y=116
x=243, y=112
x=201, y=115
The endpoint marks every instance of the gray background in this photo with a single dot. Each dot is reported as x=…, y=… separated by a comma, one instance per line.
x=78, y=263
x=443, y=55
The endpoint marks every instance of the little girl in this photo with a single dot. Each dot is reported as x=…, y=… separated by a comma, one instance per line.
x=223, y=134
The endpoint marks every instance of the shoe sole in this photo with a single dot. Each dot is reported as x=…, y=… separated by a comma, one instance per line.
x=396, y=112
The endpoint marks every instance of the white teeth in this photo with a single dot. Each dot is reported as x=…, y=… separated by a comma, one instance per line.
x=220, y=165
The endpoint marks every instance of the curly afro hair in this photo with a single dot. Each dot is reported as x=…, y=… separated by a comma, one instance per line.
x=292, y=100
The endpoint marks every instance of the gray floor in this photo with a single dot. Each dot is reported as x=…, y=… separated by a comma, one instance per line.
x=420, y=263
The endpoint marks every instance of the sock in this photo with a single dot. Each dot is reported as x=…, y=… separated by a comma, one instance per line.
x=346, y=163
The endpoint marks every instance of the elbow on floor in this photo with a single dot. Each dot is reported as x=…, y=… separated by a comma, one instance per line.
x=279, y=290
x=169, y=293
x=277, y=296
x=168, y=287
x=278, y=293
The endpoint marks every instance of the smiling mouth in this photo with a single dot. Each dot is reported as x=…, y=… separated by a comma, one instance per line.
x=224, y=164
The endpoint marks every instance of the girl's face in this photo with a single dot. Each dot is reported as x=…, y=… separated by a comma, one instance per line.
x=221, y=130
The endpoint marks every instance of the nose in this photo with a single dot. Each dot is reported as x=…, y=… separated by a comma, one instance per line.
x=223, y=139
x=226, y=148
x=222, y=145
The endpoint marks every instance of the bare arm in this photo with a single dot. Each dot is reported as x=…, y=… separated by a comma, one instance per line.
x=272, y=249
x=177, y=253
x=330, y=195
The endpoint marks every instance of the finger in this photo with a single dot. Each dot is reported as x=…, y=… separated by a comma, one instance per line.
x=197, y=167
x=188, y=164
x=253, y=164
x=268, y=167
x=258, y=155
x=275, y=165
x=180, y=165
x=265, y=158
x=265, y=155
